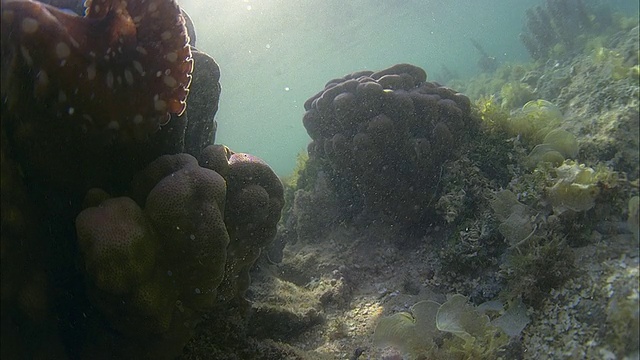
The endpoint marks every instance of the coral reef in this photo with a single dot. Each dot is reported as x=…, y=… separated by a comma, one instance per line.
x=513, y=78
x=560, y=26
x=565, y=165
x=382, y=138
x=547, y=178
x=486, y=63
x=131, y=237
x=548, y=212
x=633, y=218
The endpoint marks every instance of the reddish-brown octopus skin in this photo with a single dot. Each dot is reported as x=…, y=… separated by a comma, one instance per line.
x=117, y=72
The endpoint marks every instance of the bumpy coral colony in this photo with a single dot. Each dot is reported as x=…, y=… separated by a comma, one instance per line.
x=383, y=137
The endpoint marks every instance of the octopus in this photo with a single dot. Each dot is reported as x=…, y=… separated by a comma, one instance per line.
x=120, y=70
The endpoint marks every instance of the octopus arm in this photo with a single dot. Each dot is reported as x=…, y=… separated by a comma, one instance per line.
x=123, y=68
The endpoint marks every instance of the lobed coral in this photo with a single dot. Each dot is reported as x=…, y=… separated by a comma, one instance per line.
x=383, y=137
x=254, y=201
x=152, y=257
x=185, y=244
x=558, y=26
x=154, y=264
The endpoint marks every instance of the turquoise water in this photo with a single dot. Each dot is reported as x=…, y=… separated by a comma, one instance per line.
x=275, y=54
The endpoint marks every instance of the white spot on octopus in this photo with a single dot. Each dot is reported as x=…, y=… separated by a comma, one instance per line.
x=62, y=50
x=137, y=119
x=113, y=125
x=170, y=81
x=110, y=80
x=138, y=67
x=29, y=25
x=128, y=76
x=171, y=57
x=91, y=71
x=160, y=105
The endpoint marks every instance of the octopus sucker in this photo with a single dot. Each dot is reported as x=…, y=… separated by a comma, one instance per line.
x=138, y=66
x=133, y=58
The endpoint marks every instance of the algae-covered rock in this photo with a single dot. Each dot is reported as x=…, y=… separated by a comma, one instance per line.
x=535, y=120
x=456, y=316
x=543, y=153
x=634, y=216
x=476, y=336
x=556, y=146
x=518, y=225
x=514, y=217
x=411, y=333
x=515, y=94
x=575, y=188
x=562, y=141
x=514, y=319
x=502, y=203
